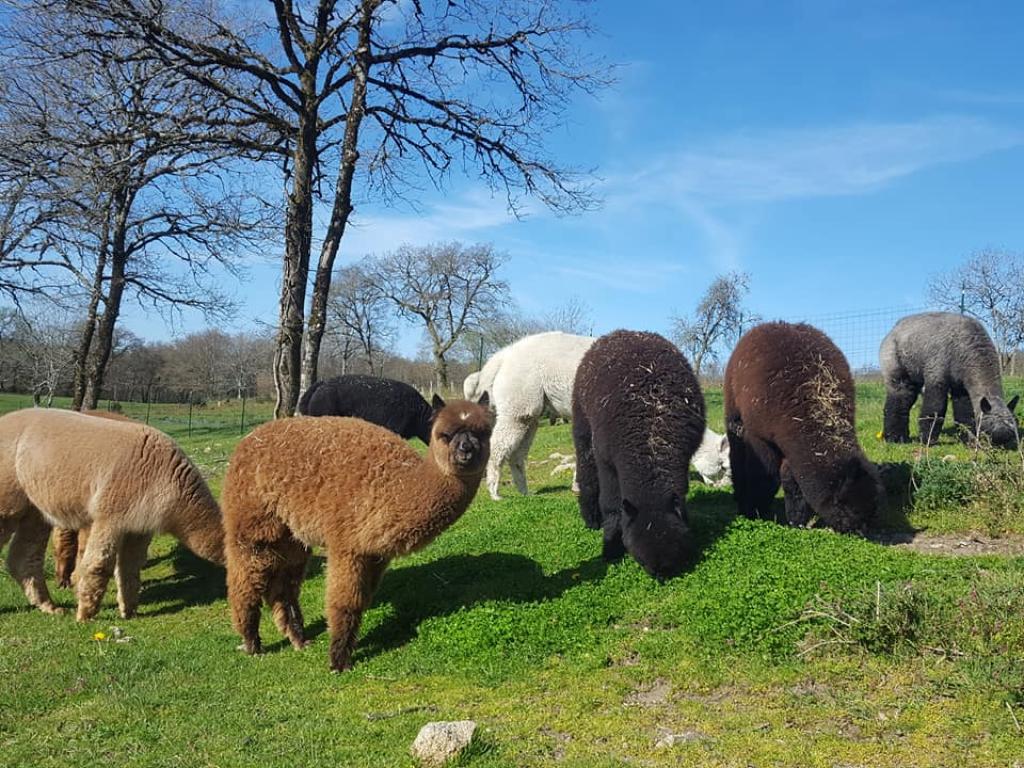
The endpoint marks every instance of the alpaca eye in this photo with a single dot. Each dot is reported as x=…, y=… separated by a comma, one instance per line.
x=446, y=437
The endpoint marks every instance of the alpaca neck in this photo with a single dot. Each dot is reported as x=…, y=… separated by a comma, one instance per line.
x=440, y=500
x=198, y=525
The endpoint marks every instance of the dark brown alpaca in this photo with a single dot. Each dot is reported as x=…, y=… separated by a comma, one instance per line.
x=352, y=487
x=789, y=414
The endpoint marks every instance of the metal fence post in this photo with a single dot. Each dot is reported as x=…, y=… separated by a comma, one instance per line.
x=190, y=413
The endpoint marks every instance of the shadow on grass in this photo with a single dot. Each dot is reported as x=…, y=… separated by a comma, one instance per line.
x=714, y=508
x=454, y=583
x=195, y=582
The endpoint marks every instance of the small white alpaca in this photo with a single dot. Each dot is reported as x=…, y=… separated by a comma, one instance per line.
x=712, y=459
x=521, y=378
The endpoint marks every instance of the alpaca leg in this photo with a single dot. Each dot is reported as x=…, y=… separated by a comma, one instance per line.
x=65, y=555
x=610, y=503
x=97, y=567
x=755, y=477
x=798, y=511
x=8, y=525
x=586, y=471
x=899, y=398
x=505, y=439
x=83, y=542
x=612, y=548
x=517, y=462
x=351, y=582
x=933, y=411
x=283, y=593
x=25, y=559
x=251, y=569
x=963, y=412
x=131, y=558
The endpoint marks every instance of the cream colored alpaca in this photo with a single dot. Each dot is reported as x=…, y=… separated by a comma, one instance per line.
x=125, y=480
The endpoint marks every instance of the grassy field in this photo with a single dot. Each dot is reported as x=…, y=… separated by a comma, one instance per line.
x=781, y=647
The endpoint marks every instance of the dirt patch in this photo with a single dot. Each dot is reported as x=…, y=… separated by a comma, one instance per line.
x=956, y=544
x=650, y=694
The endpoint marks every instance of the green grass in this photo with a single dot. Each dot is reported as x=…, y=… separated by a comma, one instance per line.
x=781, y=647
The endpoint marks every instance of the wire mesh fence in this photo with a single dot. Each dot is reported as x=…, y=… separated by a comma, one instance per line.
x=859, y=334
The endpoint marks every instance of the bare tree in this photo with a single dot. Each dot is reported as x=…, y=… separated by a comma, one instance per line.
x=450, y=288
x=42, y=341
x=719, y=317
x=361, y=313
x=574, y=316
x=152, y=209
x=989, y=286
x=392, y=93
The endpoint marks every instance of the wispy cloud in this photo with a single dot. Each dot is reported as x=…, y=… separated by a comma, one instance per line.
x=843, y=160
x=636, y=277
x=472, y=215
x=705, y=183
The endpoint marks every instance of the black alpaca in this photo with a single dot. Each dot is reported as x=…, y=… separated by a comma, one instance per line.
x=392, y=404
x=638, y=417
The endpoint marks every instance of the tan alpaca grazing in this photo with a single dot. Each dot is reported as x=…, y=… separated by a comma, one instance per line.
x=354, y=488
x=68, y=546
x=124, y=480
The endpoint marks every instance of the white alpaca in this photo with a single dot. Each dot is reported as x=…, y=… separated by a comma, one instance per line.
x=482, y=381
x=520, y=379
x=711, y=459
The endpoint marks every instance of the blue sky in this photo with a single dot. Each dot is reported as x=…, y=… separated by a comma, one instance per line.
x=838, y=152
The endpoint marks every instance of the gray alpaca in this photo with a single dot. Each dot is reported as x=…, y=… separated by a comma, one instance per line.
x=945, y=354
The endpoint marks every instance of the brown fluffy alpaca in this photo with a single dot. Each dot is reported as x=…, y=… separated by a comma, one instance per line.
x=68, y=545
x=354, y=488
x=789, y=412
x=125, y=480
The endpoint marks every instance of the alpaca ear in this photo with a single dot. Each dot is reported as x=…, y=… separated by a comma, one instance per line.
x=1013, y=402
x=985, y=405
x=485, y=400
x=629, y=510
x=437, y=403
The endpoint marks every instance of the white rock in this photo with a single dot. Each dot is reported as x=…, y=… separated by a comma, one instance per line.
x=437, y=743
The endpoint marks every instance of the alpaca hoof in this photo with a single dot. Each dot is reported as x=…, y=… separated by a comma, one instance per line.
x=64, y=583
x=50, y=608
x=494, y=496
x=253, y=649
x=301, y=645
x=84, y=614
x=337, y=670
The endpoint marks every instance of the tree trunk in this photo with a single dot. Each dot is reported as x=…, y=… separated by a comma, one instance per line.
x=89, y=328
x=342, y=207
x=298, y=229
x=105, y=331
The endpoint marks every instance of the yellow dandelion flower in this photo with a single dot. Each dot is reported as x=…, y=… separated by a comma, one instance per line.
x=99, y=636
x=879, y=435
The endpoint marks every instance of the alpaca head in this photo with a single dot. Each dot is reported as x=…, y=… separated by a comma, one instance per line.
x=658, y=536
x=460, y=436
x=999, y=422
x=858, y=499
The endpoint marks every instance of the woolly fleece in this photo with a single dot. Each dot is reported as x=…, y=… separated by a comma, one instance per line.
x=352, y=487
x=944, y=355
x=392, y=404
x=638, y=417
x=533, y=371
x=125, y=480
x=789, y=414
